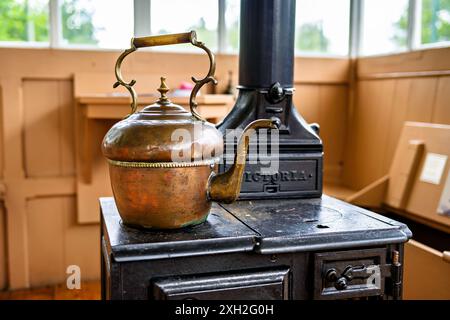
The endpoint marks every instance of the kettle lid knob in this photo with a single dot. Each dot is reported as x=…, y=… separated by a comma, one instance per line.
x=163, y=89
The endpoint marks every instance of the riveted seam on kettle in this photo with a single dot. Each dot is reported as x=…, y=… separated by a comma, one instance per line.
x=135, y=164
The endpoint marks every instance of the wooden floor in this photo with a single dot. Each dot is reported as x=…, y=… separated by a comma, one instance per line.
x=89, y=291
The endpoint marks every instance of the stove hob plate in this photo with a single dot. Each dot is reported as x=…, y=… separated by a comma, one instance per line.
x=263, y=226
x=307, y=223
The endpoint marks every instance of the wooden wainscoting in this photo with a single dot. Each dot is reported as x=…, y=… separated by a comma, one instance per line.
x=3, y=273
x=89, y=290
x=54, y=234
x=326, y=104
x=390, y=90
x=426, y=274
x=37, y=145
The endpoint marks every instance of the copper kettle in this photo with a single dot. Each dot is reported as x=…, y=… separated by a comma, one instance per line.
x=152, y=189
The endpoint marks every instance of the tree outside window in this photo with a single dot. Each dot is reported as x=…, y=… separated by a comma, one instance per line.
x=322, y=26
x=434, y=24
x=435, y=21
x=77, y=26
x=23, y=20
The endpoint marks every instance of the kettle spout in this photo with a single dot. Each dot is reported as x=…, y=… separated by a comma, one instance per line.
x=225, y=187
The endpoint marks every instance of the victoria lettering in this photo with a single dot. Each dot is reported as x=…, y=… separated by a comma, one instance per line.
x=287, y=175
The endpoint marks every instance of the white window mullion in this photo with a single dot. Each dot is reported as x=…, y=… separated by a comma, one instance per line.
x=55, y=32
x=222, y=28
x=142, y=26
x=414, y=24
x=356, y=25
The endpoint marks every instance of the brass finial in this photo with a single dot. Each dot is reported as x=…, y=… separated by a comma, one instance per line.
x=163, y=89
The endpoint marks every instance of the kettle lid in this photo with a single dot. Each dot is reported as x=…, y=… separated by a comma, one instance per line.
x=163, y=109
x=162, y=132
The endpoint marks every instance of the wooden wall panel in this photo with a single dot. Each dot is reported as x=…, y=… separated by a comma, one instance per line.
x=333, y=124
x=326, y=105
x=82, y=244
x=413, y=100
x=306, y=100
x=55, y=241
x=48, y=128
x=421, y=99
x=421, y=61
x=390, y=90
x=3, y=274
x=307, y=70
x=1, y=132
x=419, y=260
x=321, y=70
x=99, y=175
x=396, y=118
x=45, y=225
x=3, y=255
x=441, y=112
x=368, y=133
x=382, y=108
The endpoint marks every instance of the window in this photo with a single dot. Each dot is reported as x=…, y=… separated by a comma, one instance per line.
x=104, y=24
x=24, y=21
x=435, y=21
x=175, y=16
x=385, y=26
x=232, y=16
x=322, y=26
x=392, y=26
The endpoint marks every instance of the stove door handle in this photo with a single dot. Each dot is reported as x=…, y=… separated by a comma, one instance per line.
x=341, y=281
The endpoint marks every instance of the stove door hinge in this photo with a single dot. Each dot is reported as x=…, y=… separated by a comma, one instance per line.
x=393, y=271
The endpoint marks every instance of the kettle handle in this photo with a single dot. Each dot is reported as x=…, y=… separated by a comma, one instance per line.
x=163, y=40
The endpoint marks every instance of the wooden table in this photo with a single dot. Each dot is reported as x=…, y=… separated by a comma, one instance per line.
x=107, y=106
x=95, y=114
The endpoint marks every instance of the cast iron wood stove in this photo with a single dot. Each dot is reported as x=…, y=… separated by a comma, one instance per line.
x=283, y=239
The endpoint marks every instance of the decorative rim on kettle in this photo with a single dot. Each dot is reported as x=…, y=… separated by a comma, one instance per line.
x=162, y=40
x=135, y=164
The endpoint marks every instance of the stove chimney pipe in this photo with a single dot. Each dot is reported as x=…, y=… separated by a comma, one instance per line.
x=267, y=34
x=266, y=88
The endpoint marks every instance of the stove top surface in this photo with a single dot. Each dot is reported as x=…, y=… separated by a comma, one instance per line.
x=300, y=224
x=264, y=226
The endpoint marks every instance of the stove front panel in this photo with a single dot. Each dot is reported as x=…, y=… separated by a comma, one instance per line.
x=298, y=176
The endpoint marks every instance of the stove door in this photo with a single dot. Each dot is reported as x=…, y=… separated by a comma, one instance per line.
x=349, y=274
x=240, y=285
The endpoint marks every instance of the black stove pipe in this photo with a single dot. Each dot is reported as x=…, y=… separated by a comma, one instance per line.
x=266, y=88
x=266, y=52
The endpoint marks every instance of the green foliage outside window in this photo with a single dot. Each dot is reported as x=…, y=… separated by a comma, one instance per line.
x=25, y=20
x=233, y=36
x=209, y=37
x=29, y=21
x=77, y=26
x=435, y=20
x=310, y=37
x=435, y=24
x=21, y=21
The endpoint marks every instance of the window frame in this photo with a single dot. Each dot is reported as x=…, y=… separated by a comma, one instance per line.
x=309, y=54
x=413, y=36
x=142, y=26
